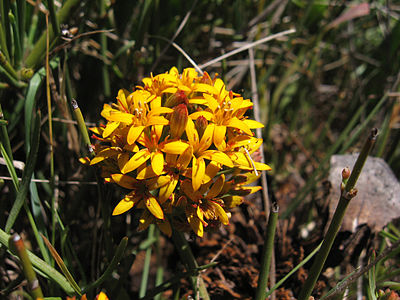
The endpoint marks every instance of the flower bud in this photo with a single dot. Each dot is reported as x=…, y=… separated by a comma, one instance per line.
x=201, y=125
x=178, y=121
x=346, y=173
x=178, y=98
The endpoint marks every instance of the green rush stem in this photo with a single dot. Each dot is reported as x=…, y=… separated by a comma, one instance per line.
x=27, y=268
x=16, y=36
x=103, y=43
x=53, y=214
x=188, y=259
x=7, y=66
x=53, y=18
x=146, y=265
x=3, y=43
x=267, y=253
x=5, y=22
x=82, y=127
x=35, y=56
x=348, y=193
x=4, y=136
x=160, y=270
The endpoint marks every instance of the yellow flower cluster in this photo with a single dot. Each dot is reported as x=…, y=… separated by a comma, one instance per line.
x=181, y=146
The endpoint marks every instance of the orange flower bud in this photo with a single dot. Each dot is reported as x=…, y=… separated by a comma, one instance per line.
x=346, y=173
x=179, y=119
x=178, y=98
x=201, y=125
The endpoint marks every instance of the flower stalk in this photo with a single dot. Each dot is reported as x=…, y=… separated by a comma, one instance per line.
x=348, y=193
x=186, y=255
x=267, y=253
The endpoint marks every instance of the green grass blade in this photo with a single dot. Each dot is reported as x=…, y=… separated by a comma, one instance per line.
x=294, y=270
x=146, y=265
x=10, y=167
x=62, y=266
x=26, y=176
x=113, y=264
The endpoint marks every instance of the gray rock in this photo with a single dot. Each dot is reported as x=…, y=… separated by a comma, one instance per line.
x=378, y=198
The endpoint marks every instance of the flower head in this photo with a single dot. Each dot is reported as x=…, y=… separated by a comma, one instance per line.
x=181, y=146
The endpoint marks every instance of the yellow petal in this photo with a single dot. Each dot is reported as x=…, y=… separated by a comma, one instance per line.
x=160, y=110
x=104, y=154
x=236, y=123
x=262, y=167
x=220, y=212
x=117, y=116
x=111, y=126
x=206, y=139
x=233, y=201
x=206, y=114
x=125, y=181
x=196, y=225
x=102, y=296
x=97, y=130
x=216, y=187
x=154, y=207
x=175, y=147
x=157, y=120
x=218, y=157
x=133, y=133
x=135, y=161
x=122, y=94
x=253, y=124
x=185, y=158
x=198, y=170
x=123, y=206
x=211, y=171
x=145, y=173
x=123, y=158
x=219, y=134
x=168, y=189
x=212, y=103
x=205, y=88
x=157, y=162
x=191, y=133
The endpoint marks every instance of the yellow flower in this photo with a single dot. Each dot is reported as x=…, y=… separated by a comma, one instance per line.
x=204, y=207
x=137, y=118
x=182, y=147
x=139, y=196
x=201, y=152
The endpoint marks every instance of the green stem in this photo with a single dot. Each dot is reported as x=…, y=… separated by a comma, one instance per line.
x=53, y=18
x=348, y=193
x=82, y=126
x=7, y=66
x=188, y=259
x=27, y=268
x=103, y=43
x=34, y=58
x=267, y=253
x=146, y=265
x=5, y=140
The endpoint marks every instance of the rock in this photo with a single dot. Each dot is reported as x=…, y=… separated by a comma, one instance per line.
x=378, y=198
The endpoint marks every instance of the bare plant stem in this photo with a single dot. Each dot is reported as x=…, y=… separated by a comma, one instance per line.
x=267, y=253
x=348, y=193
x=188, y=259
